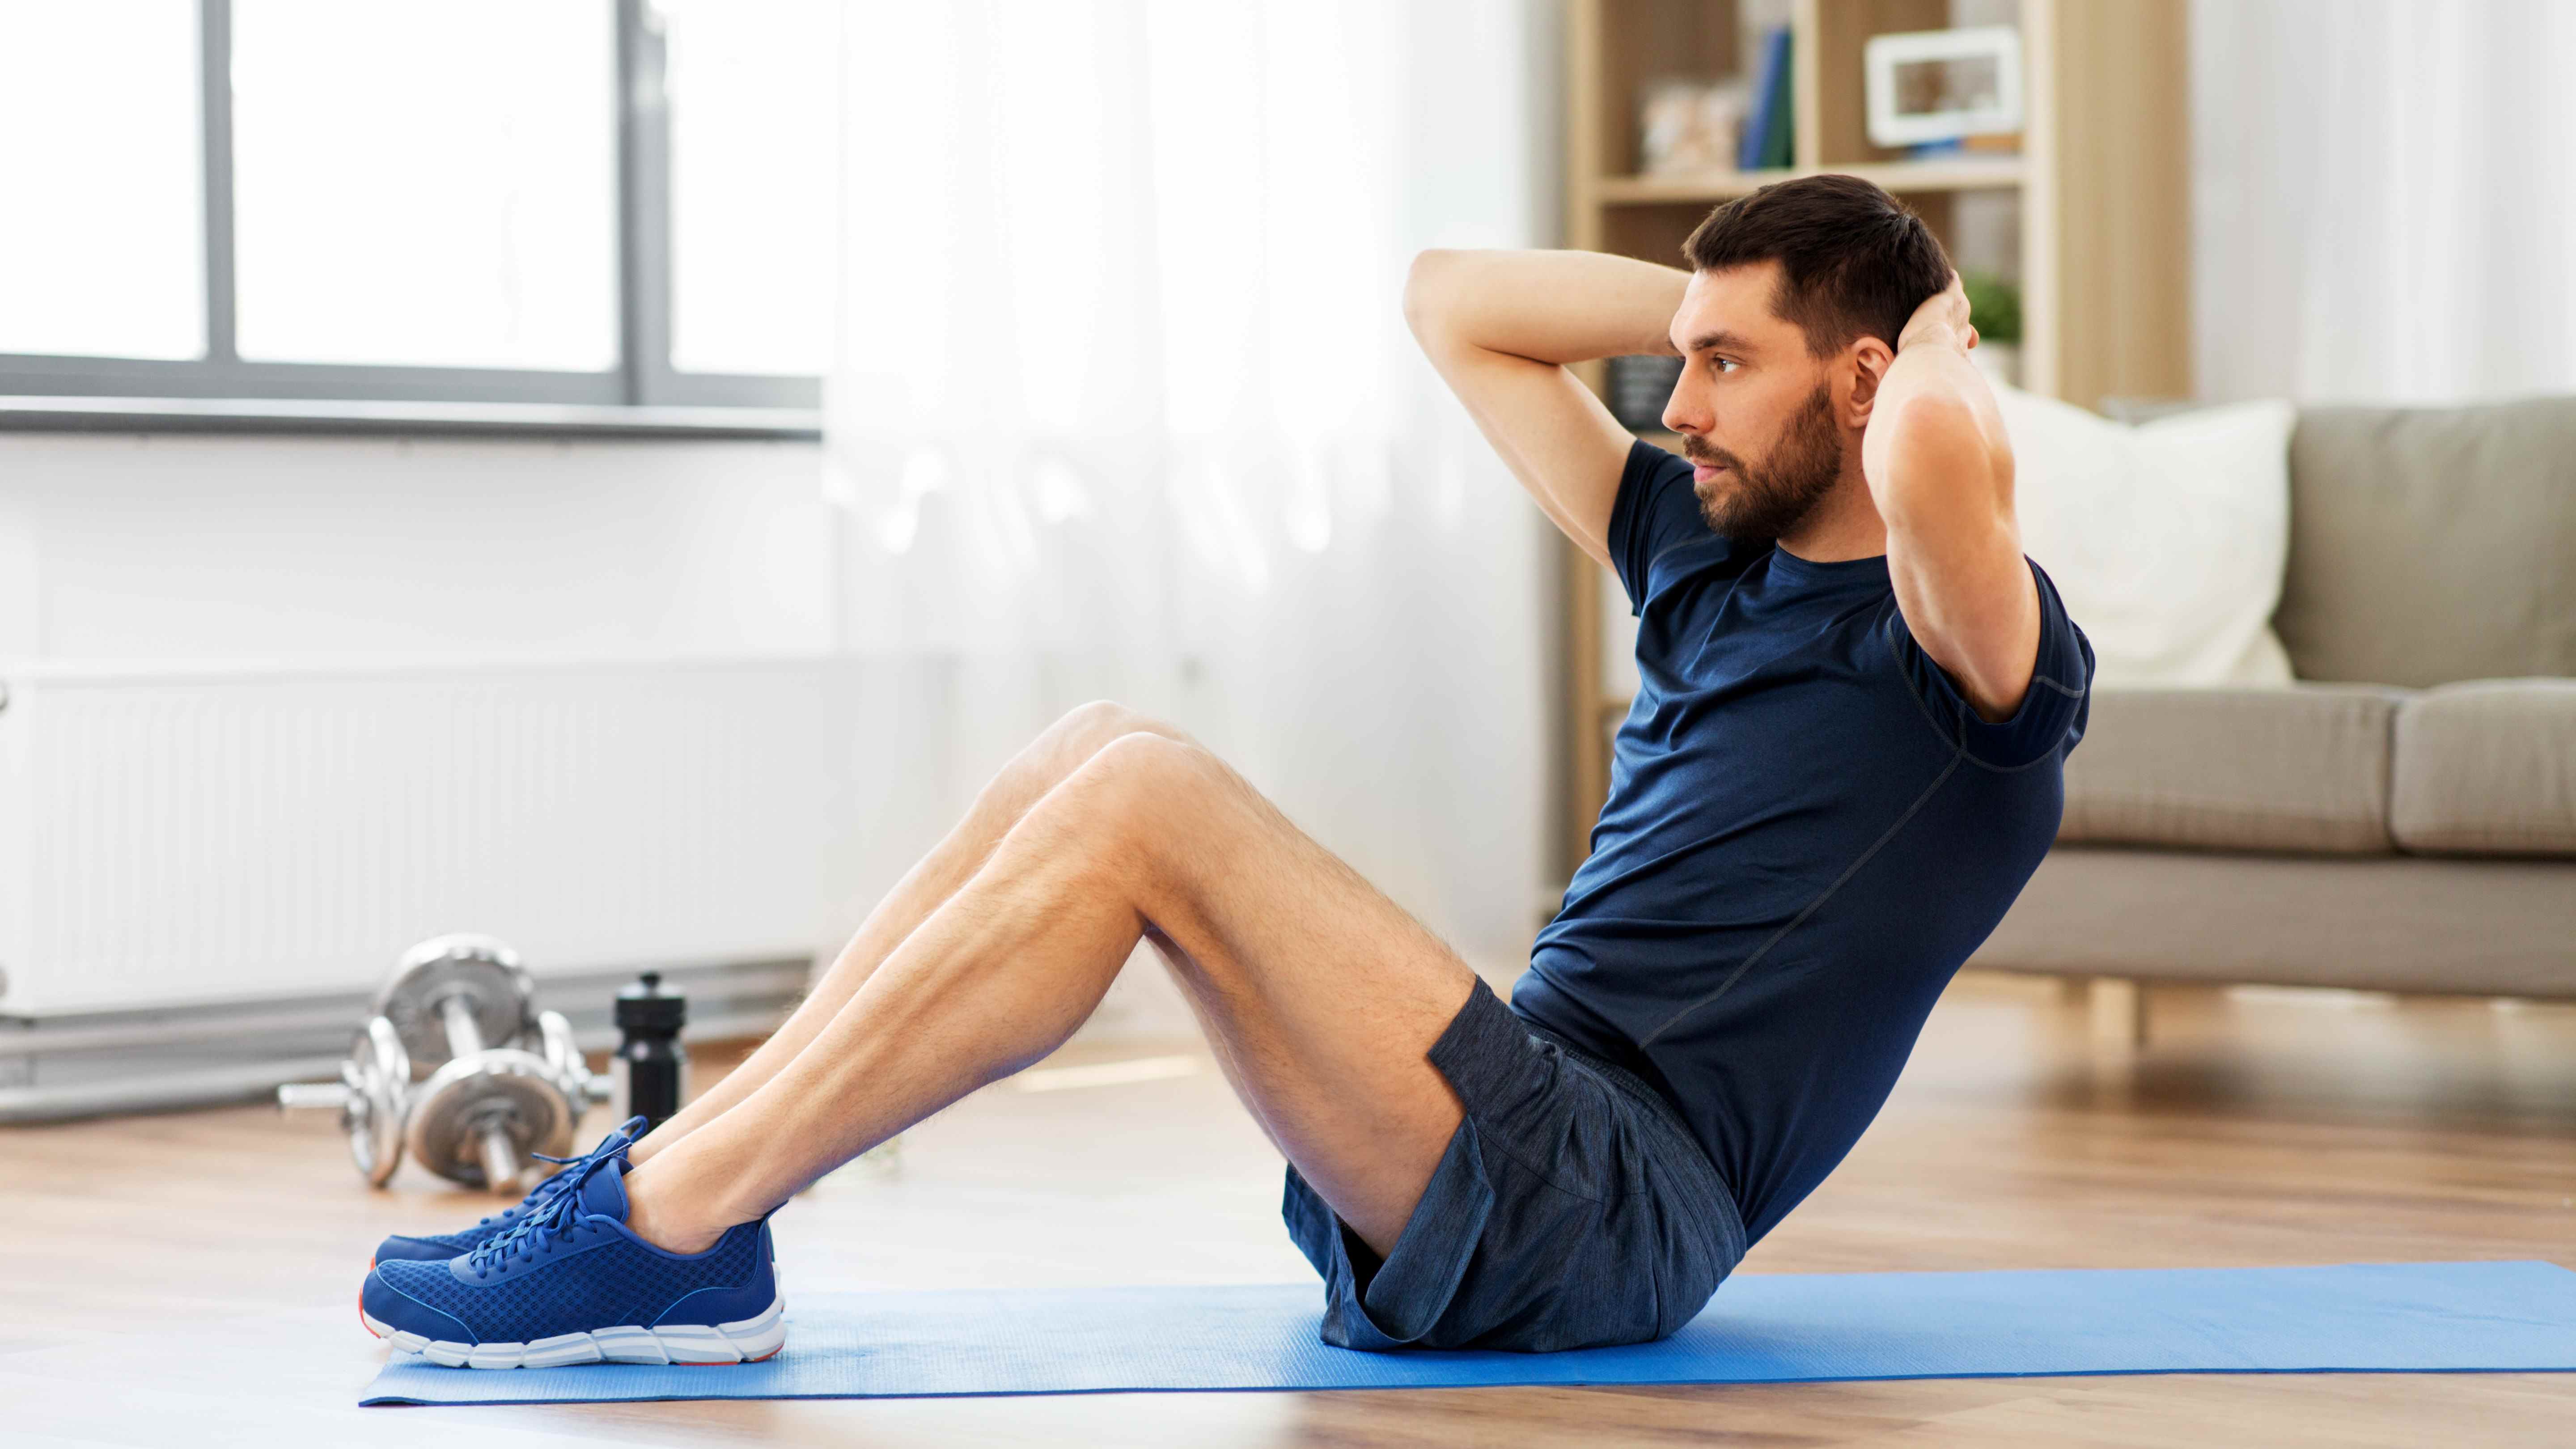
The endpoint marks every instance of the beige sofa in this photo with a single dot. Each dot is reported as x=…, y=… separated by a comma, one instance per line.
x=2404, y=818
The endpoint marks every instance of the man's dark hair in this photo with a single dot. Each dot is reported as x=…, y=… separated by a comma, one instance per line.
x=1854, y=261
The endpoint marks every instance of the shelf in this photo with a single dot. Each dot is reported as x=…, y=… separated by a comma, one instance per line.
x=1898, y=177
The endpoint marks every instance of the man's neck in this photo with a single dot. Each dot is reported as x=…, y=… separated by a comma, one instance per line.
x=1844, y=524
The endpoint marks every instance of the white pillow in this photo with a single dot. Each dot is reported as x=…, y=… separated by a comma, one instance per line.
x=2165, y=540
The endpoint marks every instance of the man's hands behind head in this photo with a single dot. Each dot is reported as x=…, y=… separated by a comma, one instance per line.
x=1942, y=320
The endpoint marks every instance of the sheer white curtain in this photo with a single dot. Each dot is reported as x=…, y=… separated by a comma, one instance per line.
x=2385, y=198
x=1124, y=407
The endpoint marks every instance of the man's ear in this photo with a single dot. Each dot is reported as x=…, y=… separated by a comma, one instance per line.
x=1867, y=362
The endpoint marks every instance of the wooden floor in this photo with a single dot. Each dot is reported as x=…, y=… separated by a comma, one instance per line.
x=188, y=1278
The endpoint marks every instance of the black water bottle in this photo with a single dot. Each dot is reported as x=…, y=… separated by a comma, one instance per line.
x=651, y=1070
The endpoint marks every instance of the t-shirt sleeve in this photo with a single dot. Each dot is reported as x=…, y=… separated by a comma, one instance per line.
x=1655, y=510
x=2052, y=713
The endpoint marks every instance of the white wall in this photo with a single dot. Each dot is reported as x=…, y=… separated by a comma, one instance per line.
x=122, y=549
x=136, y=554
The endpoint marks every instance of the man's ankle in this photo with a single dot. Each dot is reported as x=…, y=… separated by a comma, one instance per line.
x=649, y=1146
x=672, y=1227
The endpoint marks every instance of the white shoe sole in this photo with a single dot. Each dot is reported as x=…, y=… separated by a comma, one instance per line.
x=749, y=1341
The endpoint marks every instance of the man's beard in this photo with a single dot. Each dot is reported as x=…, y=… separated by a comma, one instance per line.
x=1771, y=498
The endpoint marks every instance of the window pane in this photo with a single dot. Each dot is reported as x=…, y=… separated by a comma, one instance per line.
x=426, y=184
x=753, y=152
x=102, y=250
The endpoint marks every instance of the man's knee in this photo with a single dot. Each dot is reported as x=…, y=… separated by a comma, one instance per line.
x=1063, y=748
x=1141, y=766
x=1086, y=728
x=1137, y=790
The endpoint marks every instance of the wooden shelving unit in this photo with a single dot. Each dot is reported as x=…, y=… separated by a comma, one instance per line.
x=2100, y=247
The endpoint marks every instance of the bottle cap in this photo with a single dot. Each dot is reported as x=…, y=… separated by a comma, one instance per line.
x=648, y=1006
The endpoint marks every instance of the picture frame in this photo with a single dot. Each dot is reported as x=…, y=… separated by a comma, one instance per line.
x=1688, y=125
x=1929, y=86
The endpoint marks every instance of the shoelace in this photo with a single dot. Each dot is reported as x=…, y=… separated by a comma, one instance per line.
x=545, y=1226
x=545, y=1192
x=539, y=1195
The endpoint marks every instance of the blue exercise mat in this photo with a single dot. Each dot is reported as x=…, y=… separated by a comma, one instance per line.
x=1760, y=1328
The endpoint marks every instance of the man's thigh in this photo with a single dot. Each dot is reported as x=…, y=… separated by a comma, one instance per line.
x=1322, y=996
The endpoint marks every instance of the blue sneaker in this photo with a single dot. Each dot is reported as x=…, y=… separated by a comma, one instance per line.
x=438, y=1248
x=572, y=1284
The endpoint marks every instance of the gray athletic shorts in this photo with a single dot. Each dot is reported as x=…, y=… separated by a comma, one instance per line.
x=1572, y=1209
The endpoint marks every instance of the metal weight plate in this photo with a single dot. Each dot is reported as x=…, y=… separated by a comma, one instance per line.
x=504, y=1089
x=564, y=1055
x=377, y=1075
x=484, y=972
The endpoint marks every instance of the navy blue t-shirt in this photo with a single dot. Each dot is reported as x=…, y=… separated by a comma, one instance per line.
x=1808, y=830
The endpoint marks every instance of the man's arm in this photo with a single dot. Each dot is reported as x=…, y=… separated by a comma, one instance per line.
x=1941, y=472
x=1500, y=326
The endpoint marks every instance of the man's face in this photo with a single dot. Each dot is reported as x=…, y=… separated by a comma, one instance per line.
x=1754, y=408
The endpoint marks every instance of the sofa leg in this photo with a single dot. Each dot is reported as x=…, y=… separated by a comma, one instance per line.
x=2119, y=1007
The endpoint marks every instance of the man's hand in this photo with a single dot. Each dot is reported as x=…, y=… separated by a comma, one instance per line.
x=1942, y=321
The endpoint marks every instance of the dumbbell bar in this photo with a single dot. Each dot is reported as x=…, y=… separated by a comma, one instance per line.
x=467, y=1010
x=483, y=1098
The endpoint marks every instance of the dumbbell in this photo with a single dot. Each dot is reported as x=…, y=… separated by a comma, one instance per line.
x=453, y=996
x=466, y=1006
x=462, y=1008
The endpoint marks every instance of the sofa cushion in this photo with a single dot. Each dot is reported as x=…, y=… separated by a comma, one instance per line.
x=2369, y=923
x=2166, y=541
x=2300, y=768
x=2429, y=545
x=2487, y=768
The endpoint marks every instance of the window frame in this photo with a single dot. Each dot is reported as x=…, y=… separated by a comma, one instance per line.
x=642, y=379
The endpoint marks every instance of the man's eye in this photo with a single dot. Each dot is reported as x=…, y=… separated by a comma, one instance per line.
x=1724, y=364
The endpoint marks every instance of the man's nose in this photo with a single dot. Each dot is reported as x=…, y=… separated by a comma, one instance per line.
x=1684, y=413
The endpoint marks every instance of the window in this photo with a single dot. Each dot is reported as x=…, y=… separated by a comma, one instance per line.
x=454, y=207
x=753, y=128
x=548, y=201
x=99, y=159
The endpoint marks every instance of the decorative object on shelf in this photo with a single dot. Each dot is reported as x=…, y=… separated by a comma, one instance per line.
x=1639, y=386
x=1689, y=125
x=1937, y=86
x=1994, y=309
x=1769, y=142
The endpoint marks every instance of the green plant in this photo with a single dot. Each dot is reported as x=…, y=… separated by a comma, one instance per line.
x=1994, y=306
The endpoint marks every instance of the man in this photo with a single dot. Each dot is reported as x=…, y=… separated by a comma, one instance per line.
x=1840, y=768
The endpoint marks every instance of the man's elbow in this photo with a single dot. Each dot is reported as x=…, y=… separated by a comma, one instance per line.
x=1936, y=423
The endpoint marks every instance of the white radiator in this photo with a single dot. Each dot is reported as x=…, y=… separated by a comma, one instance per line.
x=173, y=838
